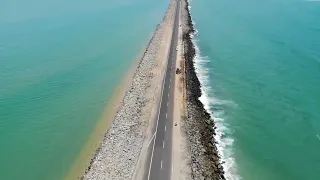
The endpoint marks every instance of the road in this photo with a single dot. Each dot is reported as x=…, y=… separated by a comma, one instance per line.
x=159, y=163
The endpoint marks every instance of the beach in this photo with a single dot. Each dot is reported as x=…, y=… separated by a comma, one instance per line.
x=89, y=150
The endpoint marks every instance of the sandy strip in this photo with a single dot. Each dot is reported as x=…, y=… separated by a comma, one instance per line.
x=83, y=161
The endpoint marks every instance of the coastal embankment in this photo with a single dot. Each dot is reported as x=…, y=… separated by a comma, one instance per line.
x=122, y=146
x=198, y=127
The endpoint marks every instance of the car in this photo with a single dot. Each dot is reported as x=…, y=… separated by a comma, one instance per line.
x=177, y=48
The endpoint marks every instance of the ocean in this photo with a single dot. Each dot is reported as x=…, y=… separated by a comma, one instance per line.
x=259, y=65
x=60, y=63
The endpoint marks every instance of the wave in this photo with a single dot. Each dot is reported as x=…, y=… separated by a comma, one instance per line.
x=212, y=105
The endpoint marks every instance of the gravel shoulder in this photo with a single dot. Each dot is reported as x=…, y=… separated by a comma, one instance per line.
x=180, y=150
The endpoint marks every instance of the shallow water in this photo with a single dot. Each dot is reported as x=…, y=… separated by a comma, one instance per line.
x=260, y=66
x=60, y=62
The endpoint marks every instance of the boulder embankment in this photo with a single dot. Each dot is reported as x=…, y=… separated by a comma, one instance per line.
x=200, y=128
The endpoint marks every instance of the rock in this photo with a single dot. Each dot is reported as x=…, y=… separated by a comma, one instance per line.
x=199, y=125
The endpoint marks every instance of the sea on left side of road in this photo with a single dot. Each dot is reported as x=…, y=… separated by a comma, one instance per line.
x=131, y=114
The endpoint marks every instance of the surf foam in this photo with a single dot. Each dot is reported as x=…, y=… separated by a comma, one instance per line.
x=224, y=141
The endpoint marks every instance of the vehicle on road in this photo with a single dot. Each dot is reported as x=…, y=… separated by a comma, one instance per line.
x=178, y=71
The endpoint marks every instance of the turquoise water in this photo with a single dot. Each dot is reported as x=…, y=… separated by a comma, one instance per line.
x=60, y=62
x=260, y=62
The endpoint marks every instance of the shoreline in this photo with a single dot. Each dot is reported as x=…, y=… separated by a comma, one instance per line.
x=85, y=158
x=89, y=150
x=200, y=128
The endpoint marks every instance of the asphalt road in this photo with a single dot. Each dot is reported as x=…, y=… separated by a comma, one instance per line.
x=159, y=163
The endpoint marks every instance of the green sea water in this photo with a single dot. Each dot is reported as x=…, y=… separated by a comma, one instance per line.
x=60, y=62
x=259, y=62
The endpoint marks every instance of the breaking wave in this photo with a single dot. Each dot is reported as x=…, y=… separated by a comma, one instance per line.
x=215, y=107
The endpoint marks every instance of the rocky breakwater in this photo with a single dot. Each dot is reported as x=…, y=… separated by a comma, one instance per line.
x=200, y=128
x=119, y=152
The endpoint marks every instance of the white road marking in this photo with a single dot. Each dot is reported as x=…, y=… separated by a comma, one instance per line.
x=168, y=94
x=166, y=115
x=157, y=125
x=162, y=144
x=151, y=139
x=172, y=168
x=167, y=104
x=155, y=136
x=169, y=86
x=165, y=128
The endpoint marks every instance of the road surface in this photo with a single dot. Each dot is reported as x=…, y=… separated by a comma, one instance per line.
x=159, y=162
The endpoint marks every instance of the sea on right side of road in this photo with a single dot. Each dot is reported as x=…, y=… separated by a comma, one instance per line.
x=197, y=126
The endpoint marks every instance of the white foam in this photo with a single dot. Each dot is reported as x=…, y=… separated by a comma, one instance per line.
x=225, y=142
x=207, y=98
